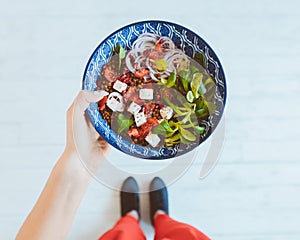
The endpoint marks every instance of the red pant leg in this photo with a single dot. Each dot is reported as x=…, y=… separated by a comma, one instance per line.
x=127, y=228
x=168, y=229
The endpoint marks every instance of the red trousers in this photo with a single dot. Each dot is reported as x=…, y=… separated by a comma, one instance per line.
x=128, y=228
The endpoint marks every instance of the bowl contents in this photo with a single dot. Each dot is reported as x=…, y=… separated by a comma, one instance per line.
x=157, y=95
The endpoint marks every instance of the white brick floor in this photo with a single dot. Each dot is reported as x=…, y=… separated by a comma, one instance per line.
x=253, y=192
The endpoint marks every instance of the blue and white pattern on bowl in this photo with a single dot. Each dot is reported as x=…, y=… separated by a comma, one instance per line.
x=184, y=39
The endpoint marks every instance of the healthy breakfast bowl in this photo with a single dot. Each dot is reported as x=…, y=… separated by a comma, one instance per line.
x=165, y=89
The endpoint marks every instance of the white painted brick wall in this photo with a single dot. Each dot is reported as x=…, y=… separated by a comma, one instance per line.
x=253, y=192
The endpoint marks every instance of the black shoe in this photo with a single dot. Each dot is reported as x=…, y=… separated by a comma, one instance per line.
x=130, y=196
x=158, y=197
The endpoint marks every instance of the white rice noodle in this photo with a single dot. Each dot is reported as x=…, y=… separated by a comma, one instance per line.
x=167, y=43
x=174, y=58
x=128, y=62
x=148, y=41
x=153, y=77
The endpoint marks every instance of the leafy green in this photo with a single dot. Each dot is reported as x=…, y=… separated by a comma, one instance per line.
x=199, y=129
x=202, y=89
x=164, y=81
x=210, y=86
x=187, y=117
x=123, y=122
x=184, y=141
x=161, y=64
x=171, y=80
x=180, y=135
x=175, y=139
x=187, y=134
x=200, y=58
x=122, y=53
x=195, y=84
x=185, y=78
x=121, y=117
x=211, y=107
x=178, y=131
x=185, y=112
x=185, y=84
x=200, y=103
x=190, y=96
x=189, y=125
x=200, y=111
x=204, y=108
x=158, y=129
x=173, y=106
x=189, y=109
x=166, y=126
x=185, y=74
x=193, y=69
x=209, y=81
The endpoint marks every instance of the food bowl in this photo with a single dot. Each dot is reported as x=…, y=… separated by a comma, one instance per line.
x=192, y=46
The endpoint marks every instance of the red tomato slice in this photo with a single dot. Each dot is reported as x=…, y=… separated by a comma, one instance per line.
x=102, y=102
x=141, y=73
x=158, y=47
x=133, y=132
x=152, y=121
x=146, y=127
x=126, y=78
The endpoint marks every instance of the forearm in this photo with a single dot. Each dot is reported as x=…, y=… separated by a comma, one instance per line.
x=53, y=214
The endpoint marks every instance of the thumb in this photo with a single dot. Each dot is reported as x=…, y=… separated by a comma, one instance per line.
x=85, y=97
x=91, y=96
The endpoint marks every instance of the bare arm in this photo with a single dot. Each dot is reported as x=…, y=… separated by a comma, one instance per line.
x=55, y=209
x=53, y=214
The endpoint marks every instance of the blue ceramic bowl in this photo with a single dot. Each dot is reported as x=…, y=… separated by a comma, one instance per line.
x=184, y=39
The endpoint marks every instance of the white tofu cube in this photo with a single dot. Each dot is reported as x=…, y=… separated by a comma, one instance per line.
x=140, y=119
x=146, y=94
x=114, y=105
x=120, y=86
x=115, y=102
x=134, y=108
x=152, y=139
x=166, y=112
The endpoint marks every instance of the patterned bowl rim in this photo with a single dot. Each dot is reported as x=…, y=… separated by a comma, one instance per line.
x=178, y=26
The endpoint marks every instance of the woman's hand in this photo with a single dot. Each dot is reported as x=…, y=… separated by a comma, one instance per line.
x=83, y=142
x=53, y=214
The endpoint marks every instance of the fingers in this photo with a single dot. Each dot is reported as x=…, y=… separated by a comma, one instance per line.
x=84, y=98
x=94, y=96
x=77, y=110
